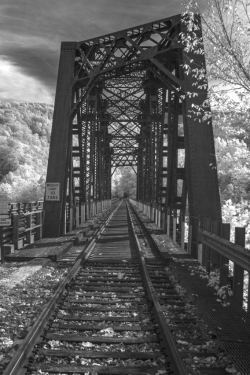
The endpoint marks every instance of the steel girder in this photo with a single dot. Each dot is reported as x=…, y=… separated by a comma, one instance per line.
x=125, y=99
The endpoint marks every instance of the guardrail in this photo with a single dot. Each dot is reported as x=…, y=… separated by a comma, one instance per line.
x=27, y=222
x=215, y=251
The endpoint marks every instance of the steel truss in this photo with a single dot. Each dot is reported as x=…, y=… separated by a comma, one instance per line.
x=124, y=99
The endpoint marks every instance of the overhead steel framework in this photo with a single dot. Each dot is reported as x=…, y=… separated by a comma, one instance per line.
x=134, y=98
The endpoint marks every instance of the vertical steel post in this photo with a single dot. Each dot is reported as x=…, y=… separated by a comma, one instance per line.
x=60, y=142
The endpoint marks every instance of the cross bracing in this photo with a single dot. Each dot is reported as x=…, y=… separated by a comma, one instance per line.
x=124, y=99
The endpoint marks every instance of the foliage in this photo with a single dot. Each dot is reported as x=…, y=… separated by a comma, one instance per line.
x=238, y=215
x=226, y=35
x=233, y=158
x=124, y=182
x=24, y=145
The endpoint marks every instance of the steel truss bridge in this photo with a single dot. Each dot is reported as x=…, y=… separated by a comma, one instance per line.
x=125, y=99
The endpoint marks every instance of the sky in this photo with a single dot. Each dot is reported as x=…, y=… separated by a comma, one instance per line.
x=31, y=32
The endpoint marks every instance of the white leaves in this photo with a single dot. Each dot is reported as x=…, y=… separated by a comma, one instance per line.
x=109, y=332
x=54, y=343
x=182, y=342
x=88, y=345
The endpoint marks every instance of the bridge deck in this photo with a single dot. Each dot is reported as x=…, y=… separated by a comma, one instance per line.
x=56, y=248
x=230, y=323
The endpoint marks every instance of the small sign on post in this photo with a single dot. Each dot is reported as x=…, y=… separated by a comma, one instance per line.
x=52, y=191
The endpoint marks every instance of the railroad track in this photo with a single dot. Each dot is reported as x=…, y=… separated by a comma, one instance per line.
x=116, y=312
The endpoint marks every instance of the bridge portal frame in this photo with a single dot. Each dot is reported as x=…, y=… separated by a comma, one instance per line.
x=119, y=101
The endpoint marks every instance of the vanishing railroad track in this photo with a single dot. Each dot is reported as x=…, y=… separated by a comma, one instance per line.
x=117, y=312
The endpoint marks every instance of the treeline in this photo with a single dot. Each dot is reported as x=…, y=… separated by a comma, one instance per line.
x=24, y=145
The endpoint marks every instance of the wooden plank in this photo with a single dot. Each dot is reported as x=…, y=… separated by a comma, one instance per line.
x=212, y=371
x=104, y=370
x=103, y=339
x=106, y=288
x=104, y=295
x=102, y=355
x=88, y=327
x=54, y=253
x=102, y=308
x=108, y=278
x=100, y=318
x=98, y=302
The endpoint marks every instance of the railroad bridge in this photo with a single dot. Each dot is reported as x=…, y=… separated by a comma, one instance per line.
x=134, y=98
x=138, y=98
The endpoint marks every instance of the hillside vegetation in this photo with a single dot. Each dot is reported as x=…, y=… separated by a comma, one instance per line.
x=24, y=145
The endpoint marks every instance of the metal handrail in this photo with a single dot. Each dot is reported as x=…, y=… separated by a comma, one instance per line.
x=235, y=253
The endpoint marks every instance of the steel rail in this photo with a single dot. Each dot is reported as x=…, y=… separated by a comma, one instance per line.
x=170, y=346
x=235, y=253
x=15, y=366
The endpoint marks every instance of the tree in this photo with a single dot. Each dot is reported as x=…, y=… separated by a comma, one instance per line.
x=24, y=146
x=124, y=182
x=233, y=162
x=226, y=35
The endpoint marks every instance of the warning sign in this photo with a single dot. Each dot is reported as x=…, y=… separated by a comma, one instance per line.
x=52, y=191
x=5, y=220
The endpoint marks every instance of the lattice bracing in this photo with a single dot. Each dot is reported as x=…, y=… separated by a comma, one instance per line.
x=125, y=99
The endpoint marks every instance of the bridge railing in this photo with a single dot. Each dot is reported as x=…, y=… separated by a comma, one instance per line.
x=215, y=252
x=79, y=213
x=27, y=222
x=25, y=228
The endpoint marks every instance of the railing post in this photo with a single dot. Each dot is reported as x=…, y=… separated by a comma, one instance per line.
x=190, y=228
x=182, y=219
x=29, y=224
x=15, y=219
x=152, y=213
x=174, y=224
x=82, y=213
x=248, y=296
x=77, y=215
x=206, y=249
x=2, y=246
x=168, y=221
x=224, y=262
x=163, y=215
x=159, y=216
x=214, y=256
x=238, y=281
x=156, y=216
x=71, y=218
x=39, y=221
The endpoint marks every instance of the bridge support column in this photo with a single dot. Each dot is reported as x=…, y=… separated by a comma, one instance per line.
x=60, y=143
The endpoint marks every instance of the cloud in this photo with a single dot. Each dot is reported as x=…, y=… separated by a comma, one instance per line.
x=31, y=31
x=16, y=86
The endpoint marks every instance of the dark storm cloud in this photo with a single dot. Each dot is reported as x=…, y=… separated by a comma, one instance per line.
x=31, y=31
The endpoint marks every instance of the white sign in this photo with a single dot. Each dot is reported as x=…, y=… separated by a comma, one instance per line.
x=3, y=204
x=5, y=220
x=52, y=191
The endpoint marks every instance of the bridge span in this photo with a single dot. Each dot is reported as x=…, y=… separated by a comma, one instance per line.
x=138, y=98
